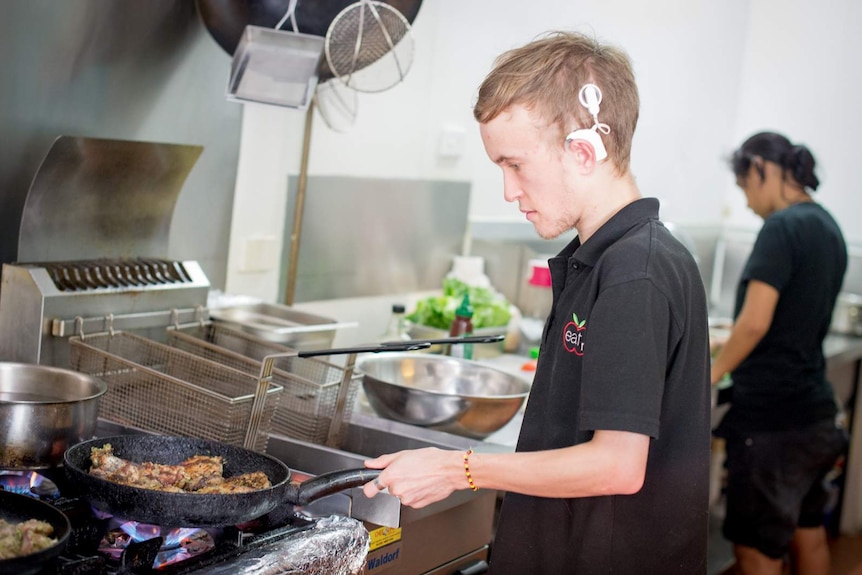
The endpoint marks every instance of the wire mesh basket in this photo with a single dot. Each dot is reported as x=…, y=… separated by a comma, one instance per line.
x=318, y=395
x=160, y=388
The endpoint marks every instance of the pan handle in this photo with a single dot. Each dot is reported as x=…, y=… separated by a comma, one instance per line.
x=444, y=340
x=329, y=483
x=377, y=348
x=408, y=345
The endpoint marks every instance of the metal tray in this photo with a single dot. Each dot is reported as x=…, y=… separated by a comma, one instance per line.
x=281, y=324
x=275, y=67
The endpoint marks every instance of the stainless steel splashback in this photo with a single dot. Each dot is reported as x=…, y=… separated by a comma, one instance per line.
x=374, y=236
x=130, y=70
x=100, y=198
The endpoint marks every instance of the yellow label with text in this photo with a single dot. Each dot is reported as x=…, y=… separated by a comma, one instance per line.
x=383, y=536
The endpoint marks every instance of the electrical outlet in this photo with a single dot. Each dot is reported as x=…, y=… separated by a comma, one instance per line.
x=261, y=254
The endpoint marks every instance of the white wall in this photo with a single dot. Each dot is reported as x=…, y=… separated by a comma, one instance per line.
x=703, y=69
x=802, y=77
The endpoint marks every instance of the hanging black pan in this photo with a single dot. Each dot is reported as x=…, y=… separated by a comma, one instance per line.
x=226, y=19
x=15, y=508
x=183, y=509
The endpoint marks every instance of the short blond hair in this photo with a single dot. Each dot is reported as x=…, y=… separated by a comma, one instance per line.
x=546, y=75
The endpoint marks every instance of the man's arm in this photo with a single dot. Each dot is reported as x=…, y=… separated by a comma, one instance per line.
x=611, y=463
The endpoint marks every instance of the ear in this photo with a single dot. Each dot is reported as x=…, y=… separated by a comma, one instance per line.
x=758, y=164
x=587, y=146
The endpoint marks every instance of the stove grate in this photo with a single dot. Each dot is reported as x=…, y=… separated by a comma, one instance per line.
x=74, y=276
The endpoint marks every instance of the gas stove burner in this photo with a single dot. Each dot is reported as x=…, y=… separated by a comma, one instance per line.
x=29, y=483
x=153, y=545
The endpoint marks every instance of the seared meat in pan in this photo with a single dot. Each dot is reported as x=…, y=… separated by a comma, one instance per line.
x=197, y=474
x=17, y=539
x=202, y=471
x=239, y=484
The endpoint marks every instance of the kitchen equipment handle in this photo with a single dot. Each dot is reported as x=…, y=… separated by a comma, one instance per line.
x=474, y=568
x=444, y=340
x=332, y=437
x=328, y=483
x=377, y=348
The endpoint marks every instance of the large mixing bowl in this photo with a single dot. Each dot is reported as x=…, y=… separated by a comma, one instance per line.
x=43, y=411
x=441, y=392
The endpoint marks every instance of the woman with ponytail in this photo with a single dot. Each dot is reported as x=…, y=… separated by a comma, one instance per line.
x=781, y=432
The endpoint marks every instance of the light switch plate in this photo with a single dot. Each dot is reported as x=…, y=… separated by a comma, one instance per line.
x=260, y=254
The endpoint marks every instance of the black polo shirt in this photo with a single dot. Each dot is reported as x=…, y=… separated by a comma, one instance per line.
x=800, y=251
x=625, y=348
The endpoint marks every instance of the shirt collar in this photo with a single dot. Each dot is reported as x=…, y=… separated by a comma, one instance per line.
x=620, y=223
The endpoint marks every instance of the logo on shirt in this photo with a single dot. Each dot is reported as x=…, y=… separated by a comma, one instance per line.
x=574, y=333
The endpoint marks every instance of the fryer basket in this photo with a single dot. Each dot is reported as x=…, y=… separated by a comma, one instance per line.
x=160, y=388
x=318, y=395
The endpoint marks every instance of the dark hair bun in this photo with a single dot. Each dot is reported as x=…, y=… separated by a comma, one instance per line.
x=800, y=163
x=794, y=159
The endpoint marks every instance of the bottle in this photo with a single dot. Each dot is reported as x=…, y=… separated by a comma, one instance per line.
x=462, y=326
x=397, y=328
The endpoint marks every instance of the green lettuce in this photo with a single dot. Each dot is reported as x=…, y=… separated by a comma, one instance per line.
x=490, y=309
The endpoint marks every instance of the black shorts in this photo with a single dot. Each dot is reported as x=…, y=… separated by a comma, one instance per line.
x=775, y=483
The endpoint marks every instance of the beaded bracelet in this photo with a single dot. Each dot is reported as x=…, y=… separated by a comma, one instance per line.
x=467, y=455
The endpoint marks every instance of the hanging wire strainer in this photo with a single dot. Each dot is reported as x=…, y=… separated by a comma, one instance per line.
x=337, y=104
x=369, y=46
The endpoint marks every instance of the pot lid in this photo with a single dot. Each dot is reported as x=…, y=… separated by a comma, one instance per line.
x=97, y=198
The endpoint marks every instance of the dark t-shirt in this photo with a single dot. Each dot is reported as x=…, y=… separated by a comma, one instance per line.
x=799, y=251
x=625, y=348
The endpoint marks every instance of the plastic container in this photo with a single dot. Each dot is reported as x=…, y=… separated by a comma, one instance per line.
x=462, y=326
x=470, y=270
x=537, y=296
x=536, y=300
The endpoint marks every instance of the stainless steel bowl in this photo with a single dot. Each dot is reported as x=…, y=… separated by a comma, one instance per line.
x=441, y=392
x=44, y=410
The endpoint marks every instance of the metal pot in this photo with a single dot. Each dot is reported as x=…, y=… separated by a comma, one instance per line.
x=847, y=315
x=43, y=411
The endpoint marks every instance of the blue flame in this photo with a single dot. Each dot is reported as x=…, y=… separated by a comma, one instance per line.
x=28, y=483
x=179, y=543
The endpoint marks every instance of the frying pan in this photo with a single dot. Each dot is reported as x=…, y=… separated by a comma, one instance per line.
x=16, y=508
x=197, y=509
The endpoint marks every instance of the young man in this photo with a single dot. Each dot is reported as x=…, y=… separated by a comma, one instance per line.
x=610, y=474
